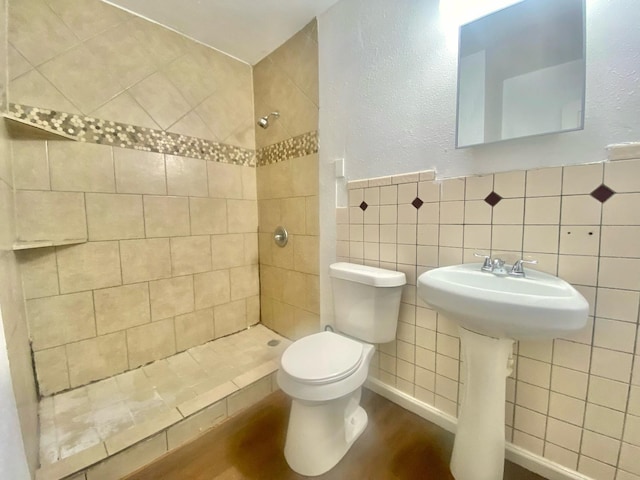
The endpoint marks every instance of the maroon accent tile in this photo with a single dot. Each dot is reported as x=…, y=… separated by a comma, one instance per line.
x=417, y=203
x=492, y=199
x=363, y=206
x=602, y=193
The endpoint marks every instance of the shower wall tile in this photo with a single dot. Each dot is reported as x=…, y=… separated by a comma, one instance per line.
x=244, y=282
x=39, y=271
x=108, y=46
x=123, y=186
x=81, y=77
x=573, y=399
x=32, y=88
x=80, y=167
x=39, y=213
x=20, y=376
x=157, y=95
x=88, y=266
x=166, y=216
x=17, y=64
x=91, y=58
x=208, y=215
x=108, y=354
x=156, y=257
x=151, y=342
x=287, y=81
x=120, y=308
x=194, y=328
x=145, y=259
x=74, y=313
x=125, y=109
x=53, y=370
x=211, y=288
x=225, y=181
x=33, y=172
x=114, y=217
x=229, y=318
x=287, y=195
x=171, y=297
x=190, y=255
x=229, y=251
x=139, y=172
x=37, y=32
x=242, y=216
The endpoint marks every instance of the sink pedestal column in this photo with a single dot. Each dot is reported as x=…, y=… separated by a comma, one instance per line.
x=478, y=450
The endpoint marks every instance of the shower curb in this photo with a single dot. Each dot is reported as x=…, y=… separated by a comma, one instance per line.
x=135, y=447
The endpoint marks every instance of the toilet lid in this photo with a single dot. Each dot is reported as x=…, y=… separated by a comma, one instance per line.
x=323, y=357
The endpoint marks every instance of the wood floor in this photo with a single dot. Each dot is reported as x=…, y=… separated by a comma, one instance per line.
x=397, y=445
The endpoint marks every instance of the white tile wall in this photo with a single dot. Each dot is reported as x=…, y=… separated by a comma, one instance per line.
x=574, y=400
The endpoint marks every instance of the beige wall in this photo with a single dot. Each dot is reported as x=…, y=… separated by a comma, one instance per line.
x=574, y=400
x=171, y=253
x=85, y=56
x=170, y=262
x=12, y=310
x=287, y=81
x=13, y=313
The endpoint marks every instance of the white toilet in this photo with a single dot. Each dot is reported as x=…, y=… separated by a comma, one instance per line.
x=324, y=372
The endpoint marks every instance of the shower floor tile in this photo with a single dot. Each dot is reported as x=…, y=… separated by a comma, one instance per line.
x=79, y=419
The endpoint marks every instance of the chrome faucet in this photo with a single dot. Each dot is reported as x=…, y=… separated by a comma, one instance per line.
x=494, y=266
x=487, y=265
x=497, y=266
x=518, y=268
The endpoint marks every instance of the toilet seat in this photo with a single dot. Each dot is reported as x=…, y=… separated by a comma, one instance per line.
x=322, y=358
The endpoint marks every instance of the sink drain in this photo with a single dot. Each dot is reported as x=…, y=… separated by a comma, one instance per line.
x=273, y=343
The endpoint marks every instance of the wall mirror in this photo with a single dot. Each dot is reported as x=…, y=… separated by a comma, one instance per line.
x=521, y=72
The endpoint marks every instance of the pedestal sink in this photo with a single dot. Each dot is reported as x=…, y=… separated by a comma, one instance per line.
x=493, y=310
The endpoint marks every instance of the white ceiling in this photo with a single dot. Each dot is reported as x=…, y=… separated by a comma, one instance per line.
x=245, y=29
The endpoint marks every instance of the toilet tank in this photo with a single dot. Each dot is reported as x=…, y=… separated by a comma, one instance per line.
x=366, y=301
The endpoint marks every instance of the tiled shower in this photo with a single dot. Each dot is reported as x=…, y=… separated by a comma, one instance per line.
x=135, y=236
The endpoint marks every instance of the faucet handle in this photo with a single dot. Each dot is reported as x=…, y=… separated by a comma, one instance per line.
x=487, y=264
x=518, y=268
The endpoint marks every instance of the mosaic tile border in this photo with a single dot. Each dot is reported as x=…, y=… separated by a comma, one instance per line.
x=293, y=147
x=83, y=128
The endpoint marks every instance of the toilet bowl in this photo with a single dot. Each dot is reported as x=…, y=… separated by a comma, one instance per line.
x=323, y=373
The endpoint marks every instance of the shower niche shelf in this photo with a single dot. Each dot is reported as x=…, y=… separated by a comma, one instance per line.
x=46, y=243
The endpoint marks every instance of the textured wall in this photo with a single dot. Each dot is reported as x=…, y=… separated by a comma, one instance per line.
x=287, y=81
x=388, y=92
x=388, y=89
x=88, y=57
x=574, y=400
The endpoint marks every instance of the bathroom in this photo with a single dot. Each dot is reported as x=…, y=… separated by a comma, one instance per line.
x=385, y=76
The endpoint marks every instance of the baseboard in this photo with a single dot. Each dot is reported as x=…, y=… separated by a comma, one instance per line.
x=535, y=463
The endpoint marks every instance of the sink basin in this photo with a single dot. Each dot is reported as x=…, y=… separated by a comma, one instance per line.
x=537, y=306
x=493, y=310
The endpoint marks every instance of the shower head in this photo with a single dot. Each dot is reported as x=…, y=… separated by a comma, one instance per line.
x=264, y=121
